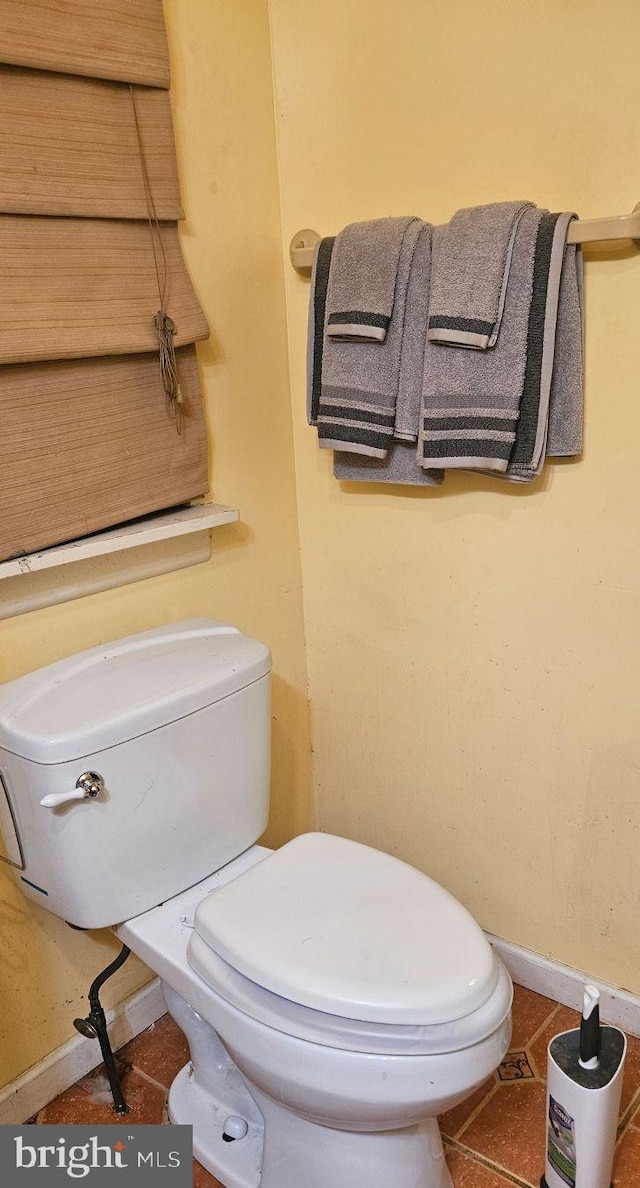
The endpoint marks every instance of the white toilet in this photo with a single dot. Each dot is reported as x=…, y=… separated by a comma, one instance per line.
x=335, y=999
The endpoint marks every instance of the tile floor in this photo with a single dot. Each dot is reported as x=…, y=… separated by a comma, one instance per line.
x=495, y=1139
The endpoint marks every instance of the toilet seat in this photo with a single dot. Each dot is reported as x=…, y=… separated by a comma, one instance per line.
x=351, y=1035
x=330, y=937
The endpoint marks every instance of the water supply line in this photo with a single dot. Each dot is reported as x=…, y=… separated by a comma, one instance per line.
x=95, y=1027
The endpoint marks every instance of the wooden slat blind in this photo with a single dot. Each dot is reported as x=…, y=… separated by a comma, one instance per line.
x=88, y=437
x=89, y=443
x=118, y=39
x=71, y=288
x=68, y=146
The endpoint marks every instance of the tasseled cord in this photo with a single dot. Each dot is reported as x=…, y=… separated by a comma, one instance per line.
x=165, y=327
x=165, y=330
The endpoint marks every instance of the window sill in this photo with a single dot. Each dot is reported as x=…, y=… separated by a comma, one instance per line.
x=147, y=547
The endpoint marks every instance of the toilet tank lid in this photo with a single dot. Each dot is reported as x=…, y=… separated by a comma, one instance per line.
x=125, y=688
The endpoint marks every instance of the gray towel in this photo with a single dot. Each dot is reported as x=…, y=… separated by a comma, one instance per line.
x=414, y=338
x=490, y=411
x=471, y=399
x=469, y=282
x=529, y=451
x=316, y=324
x=400, y=467
x=363, y=279
x=401, y=464
x=360, y=380
x=566, y=401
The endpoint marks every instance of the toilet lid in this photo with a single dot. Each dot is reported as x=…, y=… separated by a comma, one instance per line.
x=345, y=929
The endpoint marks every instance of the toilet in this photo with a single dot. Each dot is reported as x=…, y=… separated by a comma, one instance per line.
x=335, y=1000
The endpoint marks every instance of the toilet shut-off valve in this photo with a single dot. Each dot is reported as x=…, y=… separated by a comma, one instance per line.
x=89, y=786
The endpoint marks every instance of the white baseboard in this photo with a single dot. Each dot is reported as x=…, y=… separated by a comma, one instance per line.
x=61, y=1069
x=566, y=985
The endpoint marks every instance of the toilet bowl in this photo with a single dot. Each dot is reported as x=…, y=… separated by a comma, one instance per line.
x=342, y=1099
x=335, y=999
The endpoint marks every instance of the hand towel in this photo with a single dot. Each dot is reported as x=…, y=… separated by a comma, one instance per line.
x=360, y=380
x=364, y=272
x=401, y=464
x=471, y=399
x=470, y=280
x=414, y=338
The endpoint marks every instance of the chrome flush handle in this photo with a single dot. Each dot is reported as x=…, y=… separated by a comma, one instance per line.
x=89, y=786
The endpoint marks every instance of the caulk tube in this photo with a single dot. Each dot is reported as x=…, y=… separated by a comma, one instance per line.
x=584, y=1082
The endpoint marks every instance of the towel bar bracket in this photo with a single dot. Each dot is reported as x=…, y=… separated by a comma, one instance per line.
x=302, y=247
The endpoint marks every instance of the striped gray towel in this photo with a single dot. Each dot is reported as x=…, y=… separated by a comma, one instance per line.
x=490, y=411
x=360, y=380
x=401, y=465
x=364, y=271
x=469, y=283
x=316, y=324
x=550, y=418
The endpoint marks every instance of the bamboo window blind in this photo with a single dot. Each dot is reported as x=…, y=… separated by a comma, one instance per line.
x=89, y=206
x=118, y=39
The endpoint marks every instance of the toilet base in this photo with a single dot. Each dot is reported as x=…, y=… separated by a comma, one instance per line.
x=293, y=1151
x=282, y=1150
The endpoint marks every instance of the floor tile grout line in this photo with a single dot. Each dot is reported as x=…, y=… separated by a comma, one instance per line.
x=151, y=1080
x=623, y=1132
x=536, y=1071
x=534, y=1039
x=543, y=1026
x=625, y=1120
x=488, y=1163
x=480, y=1106
x=76, y=1085
x=537, y=1074
x=132, y=1068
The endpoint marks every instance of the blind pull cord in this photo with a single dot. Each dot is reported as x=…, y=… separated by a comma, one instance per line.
x=164, y=325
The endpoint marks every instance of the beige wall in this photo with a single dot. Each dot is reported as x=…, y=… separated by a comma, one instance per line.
x=224, y=122
x=473, y=652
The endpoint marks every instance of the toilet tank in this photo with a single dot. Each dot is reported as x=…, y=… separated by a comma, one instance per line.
x=176, y=721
